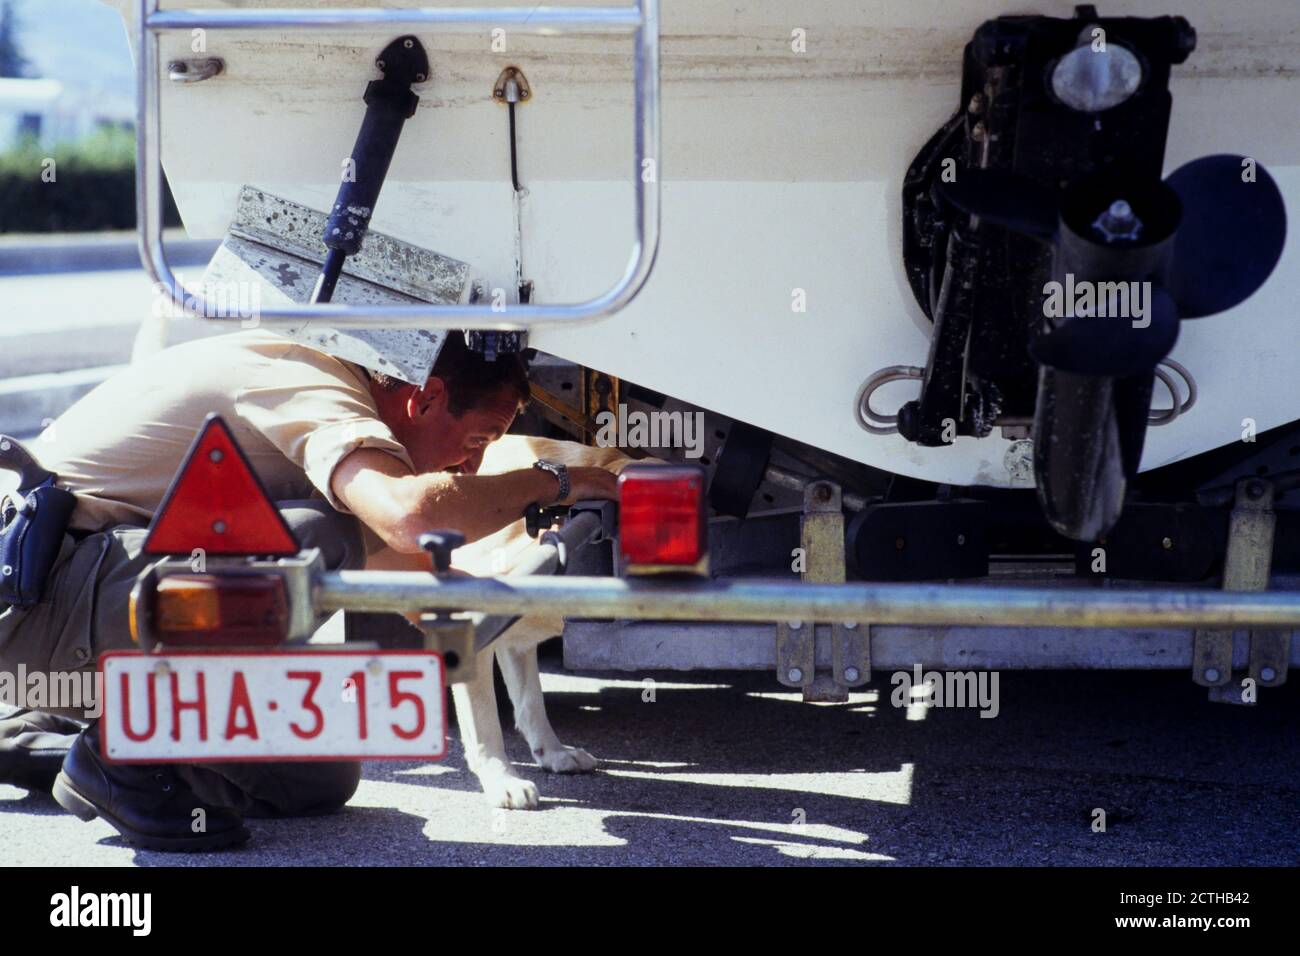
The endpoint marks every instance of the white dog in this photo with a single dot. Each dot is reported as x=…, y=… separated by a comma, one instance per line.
x=516, y=649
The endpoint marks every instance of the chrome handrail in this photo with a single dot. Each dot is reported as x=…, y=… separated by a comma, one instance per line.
x=642, y=20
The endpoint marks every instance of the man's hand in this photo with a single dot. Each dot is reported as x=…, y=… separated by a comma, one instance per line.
x=586, y=483
x=399, y=506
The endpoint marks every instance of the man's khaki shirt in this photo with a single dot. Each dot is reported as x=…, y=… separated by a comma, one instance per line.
x=295, y=412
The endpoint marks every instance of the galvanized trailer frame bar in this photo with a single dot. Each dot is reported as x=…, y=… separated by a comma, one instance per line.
x=693, y=645
x=641, y=20
x=772, y=601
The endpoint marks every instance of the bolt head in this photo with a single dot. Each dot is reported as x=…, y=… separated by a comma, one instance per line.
x=1120, y=209
x=851, y=674
x=1211, y=674
x=794, y=675
x=795, y=625
x=1167, y=543
x=1118, y=223
x=216, y=455
x=219, y=527
x=851, y=625
x=1267, y=673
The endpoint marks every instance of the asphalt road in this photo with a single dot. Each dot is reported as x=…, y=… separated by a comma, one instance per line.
x=52, y=324
x=728, y=768
x=60, y=335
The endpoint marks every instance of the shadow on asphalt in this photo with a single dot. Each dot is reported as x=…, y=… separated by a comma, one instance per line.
x=725, y=775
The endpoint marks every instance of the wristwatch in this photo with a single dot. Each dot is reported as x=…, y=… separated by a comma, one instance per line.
x=560, y=472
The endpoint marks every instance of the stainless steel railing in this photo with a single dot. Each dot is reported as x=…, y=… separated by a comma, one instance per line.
x=642, y=20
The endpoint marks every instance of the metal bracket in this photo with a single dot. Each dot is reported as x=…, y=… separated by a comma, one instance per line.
x=492, y=344
x=453, y=637
x=795, y=654
x=606, y=511
x=511, y=86
x=851, y=654
x=1246, y=568
x=642, y=21
x=822, y=542
x=538, y=517
x=600, y=393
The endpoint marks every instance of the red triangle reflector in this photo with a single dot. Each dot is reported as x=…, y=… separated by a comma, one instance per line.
x=217, y=503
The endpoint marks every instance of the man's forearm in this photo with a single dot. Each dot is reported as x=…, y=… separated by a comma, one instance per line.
x=399, y=506
x=477, y=505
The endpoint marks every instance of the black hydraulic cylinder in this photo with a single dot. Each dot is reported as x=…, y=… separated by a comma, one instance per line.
x=390, y=102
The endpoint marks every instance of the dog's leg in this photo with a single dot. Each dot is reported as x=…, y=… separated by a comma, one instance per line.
x=519, y=667
x=485, y=750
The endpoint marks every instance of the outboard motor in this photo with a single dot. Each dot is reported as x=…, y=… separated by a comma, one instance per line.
x=1054, y=262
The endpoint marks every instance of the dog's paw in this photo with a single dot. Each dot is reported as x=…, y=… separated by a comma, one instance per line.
x=564, y=759
x=510, y=792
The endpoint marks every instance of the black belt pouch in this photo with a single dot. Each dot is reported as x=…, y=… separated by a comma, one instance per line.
x=32, y=525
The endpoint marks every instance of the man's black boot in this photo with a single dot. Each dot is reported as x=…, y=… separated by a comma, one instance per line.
x=32, y=747
x=147, y=803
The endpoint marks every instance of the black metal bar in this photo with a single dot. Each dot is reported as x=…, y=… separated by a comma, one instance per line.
x=389, y=104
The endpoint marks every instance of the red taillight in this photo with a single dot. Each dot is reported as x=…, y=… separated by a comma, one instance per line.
x=220, y=610
x=662, y=520
x=216, y=504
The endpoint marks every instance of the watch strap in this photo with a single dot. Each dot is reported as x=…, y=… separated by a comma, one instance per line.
x=561, y=474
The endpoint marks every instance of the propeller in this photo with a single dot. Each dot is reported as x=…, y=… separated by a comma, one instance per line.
x=1113, y=346
x=1227, y=239
x=1231, y=235
x=1202, y=242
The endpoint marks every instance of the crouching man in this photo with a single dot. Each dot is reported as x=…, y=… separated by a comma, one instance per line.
x=360, y=466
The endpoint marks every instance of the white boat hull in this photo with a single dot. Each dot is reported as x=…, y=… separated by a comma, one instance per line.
x=782, y=176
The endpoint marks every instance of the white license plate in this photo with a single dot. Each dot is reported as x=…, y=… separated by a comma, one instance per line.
x=305, y=705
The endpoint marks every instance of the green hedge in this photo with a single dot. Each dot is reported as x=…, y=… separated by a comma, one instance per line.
x=93, y=186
